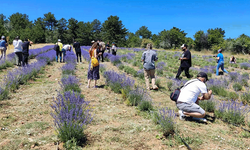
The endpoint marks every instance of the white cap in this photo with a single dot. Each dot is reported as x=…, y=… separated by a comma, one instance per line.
x=93, y=41
x=182, y=45
x=3, y=37
x=59, y=40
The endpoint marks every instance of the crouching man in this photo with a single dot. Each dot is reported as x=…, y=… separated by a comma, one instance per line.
x=188, y=100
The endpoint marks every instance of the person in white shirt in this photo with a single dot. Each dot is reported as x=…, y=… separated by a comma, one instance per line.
x=113, y=48
x=64, y=49
x=17, y=43
x=188, y=100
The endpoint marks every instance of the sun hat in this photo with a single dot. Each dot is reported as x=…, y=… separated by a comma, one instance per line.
x=203, y=75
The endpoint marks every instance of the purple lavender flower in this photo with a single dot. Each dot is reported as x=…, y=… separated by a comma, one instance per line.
x=71, y=115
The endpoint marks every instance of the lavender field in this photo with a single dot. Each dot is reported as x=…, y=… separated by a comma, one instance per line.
x=48, y=105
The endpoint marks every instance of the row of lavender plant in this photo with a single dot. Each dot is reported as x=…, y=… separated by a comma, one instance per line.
x=138, y=96
x=71, y=112
x=10, y=60
x=19, y=76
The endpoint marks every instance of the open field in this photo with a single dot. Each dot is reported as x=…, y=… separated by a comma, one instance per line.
x=26, y=123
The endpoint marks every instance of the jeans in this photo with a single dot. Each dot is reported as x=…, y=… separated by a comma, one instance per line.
x=25, y=59
x=64, y=54
x=220, y=65
x=58, y=53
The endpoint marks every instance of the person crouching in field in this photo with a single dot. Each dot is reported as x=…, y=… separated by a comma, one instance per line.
x=188, y=101
x=232, y=60
x=17, y=43
x=77, y=47
x=220, y=61
x=3, y=47
x=64, y=49
x=25, y=47
x=148, y=58
x=93, y=72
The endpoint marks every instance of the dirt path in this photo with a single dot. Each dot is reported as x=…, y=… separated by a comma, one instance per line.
x=115, y=125
x=25, y=117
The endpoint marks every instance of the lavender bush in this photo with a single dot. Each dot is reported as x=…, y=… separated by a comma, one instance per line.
x=245, y=65
x=71, y=115
x=70, y=83
x=232, y=112
x=68, y=69
x=118, y=82
x=165, y=118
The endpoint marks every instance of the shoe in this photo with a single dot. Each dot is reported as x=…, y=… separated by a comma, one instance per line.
x=156, y=88
x=200, y=119
x=95, y=87
x=87, y=86
x=181, y=115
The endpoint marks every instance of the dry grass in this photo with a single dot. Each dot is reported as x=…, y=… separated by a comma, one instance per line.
x=26, y=115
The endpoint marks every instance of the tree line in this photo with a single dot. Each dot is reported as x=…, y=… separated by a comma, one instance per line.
x=48, y=29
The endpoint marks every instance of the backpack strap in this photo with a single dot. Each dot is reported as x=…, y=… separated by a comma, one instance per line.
x=188, y=83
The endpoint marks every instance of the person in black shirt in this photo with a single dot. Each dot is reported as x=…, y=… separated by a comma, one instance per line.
x=25, y=52
x=186, y=62
x=77, y=47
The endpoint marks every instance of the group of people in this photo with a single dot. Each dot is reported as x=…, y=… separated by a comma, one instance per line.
x=21, y=50
x=61, y=50
x=96, y=54
x=188, y=100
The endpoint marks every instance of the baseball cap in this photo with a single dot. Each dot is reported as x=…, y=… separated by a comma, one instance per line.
x=219, y=50
x=3, y=37
x=93, y=41
x=203, y=75
x=183, y=45
x=59, y=40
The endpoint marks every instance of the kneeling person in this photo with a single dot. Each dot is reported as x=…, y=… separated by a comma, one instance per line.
x=188, y=100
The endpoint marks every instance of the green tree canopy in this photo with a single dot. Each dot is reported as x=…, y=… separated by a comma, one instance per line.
x=144, y=32
x=114, y=31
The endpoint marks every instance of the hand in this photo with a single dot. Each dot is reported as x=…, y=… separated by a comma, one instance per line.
x=210, y=92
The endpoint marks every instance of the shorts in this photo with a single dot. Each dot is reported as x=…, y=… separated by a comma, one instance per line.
x=190, y=107
x=3, y=48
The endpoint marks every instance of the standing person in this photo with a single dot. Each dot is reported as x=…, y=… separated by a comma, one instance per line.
x=3, y=47
x=188, y=100
x=58, y=50
x=64, y=49
x=102, y=48
x=148, y=58
x=25, y=47
x=108, y=47
x=186, y=62
x=93, y=72
x=77, y=47
x=114, y=49
x=220, y=61
x=17, y=43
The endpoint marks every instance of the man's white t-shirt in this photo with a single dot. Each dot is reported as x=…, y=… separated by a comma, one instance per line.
x=191, y=92
x=66, y=47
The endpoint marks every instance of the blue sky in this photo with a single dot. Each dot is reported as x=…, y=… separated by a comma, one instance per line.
x=189, y=15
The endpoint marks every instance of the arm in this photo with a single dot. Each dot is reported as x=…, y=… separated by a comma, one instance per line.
x=207, y=96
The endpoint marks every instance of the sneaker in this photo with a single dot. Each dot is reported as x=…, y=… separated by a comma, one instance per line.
x=181, y=115
x=95, y=87
x=156, y=88
x=87, y=86
x=200, y=119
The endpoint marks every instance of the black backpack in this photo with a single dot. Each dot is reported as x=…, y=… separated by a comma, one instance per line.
x=56, y=47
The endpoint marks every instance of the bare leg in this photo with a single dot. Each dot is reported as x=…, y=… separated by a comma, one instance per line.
x=194, y=114
x=88, y=83
x=95, y=83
